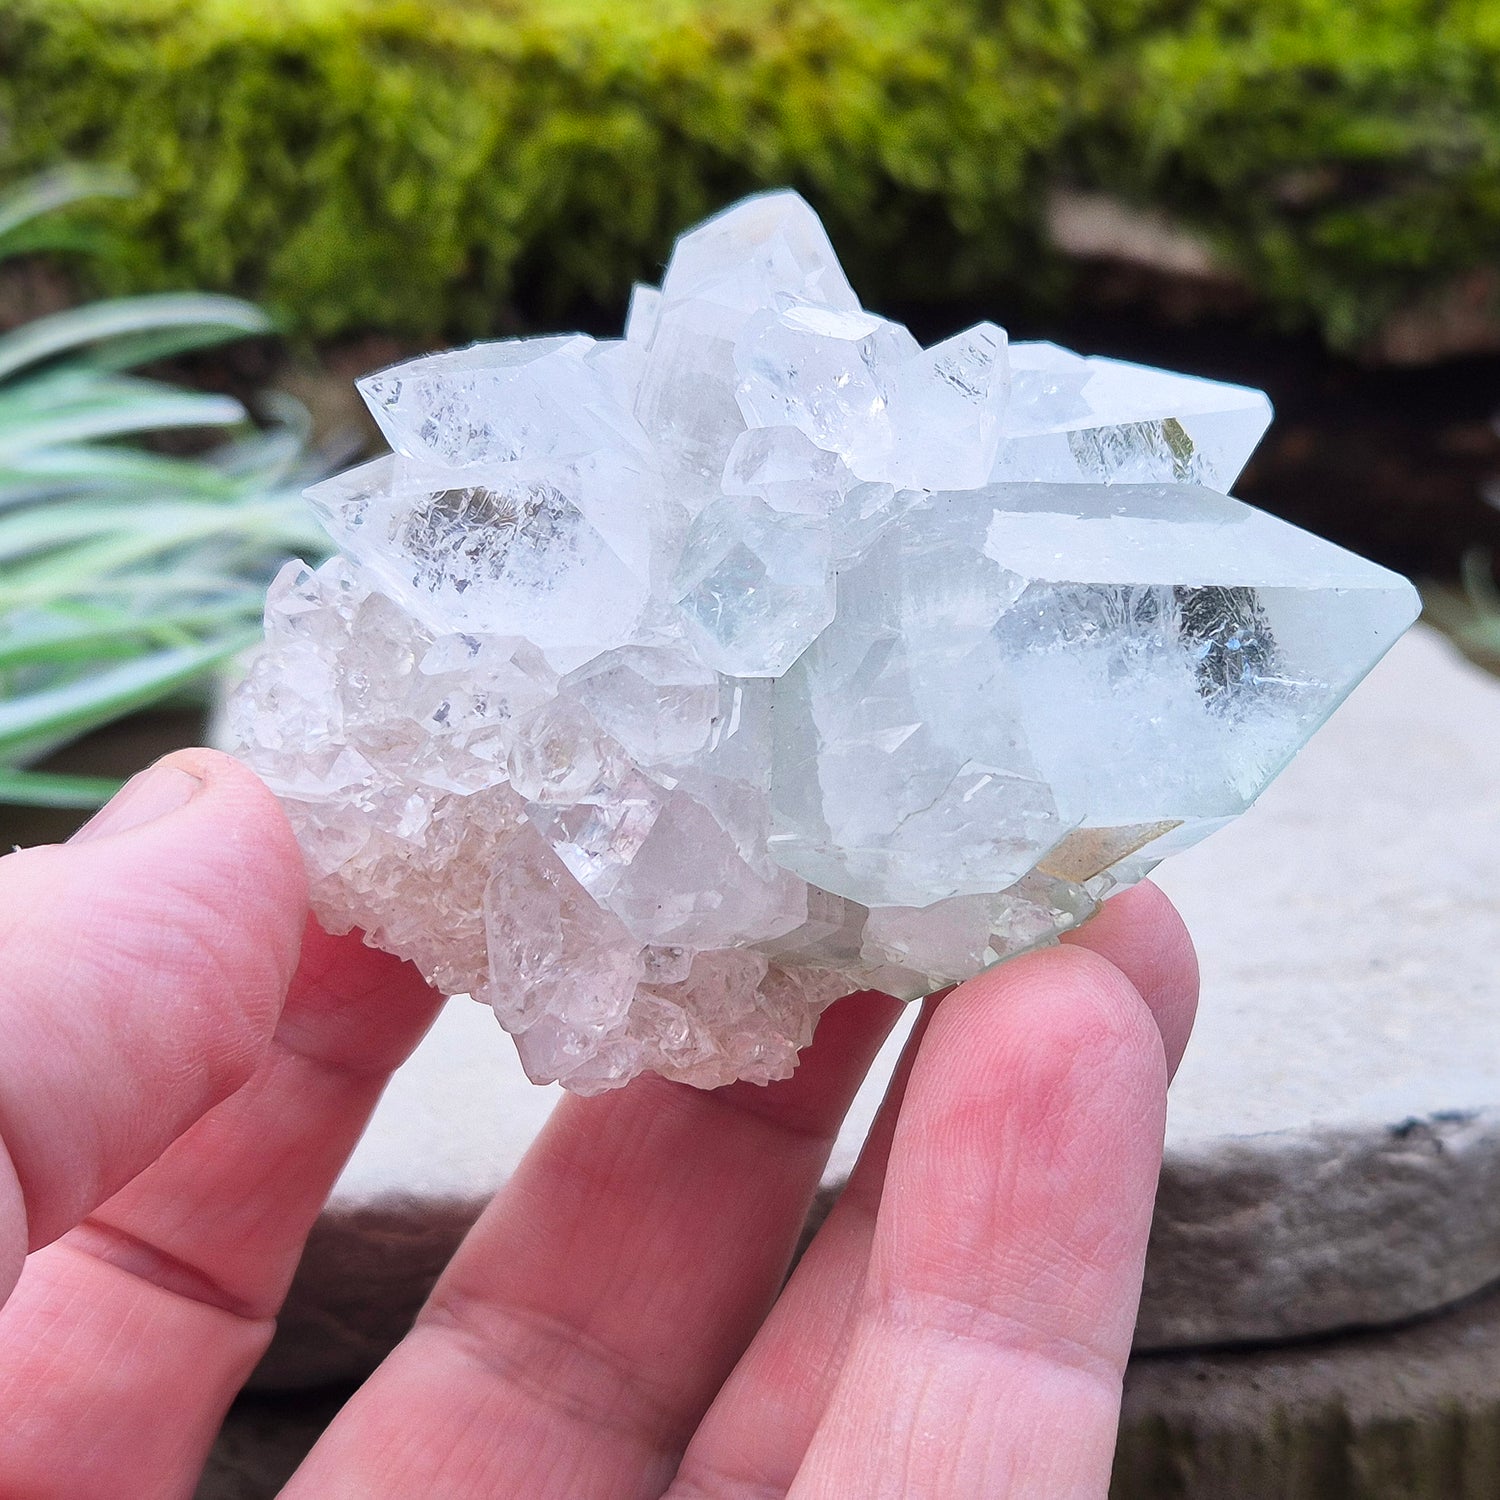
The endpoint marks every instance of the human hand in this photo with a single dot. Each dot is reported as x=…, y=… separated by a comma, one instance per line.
x=178, y=1092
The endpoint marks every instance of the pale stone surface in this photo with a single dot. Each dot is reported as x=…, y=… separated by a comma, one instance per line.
x=1096, y=226
x=1319, y=1226
x=665, y=688
x=1349, y=989
x=1368, y=883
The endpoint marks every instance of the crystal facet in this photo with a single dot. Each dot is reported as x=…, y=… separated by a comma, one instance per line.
x=666, y=688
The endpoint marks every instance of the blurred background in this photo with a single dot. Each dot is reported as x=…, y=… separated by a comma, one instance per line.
x=214, y=215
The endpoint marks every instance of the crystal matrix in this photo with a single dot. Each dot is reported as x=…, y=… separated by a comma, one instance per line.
x=664, y=689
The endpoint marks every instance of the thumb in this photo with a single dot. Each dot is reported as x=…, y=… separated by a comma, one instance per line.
x=142, y=970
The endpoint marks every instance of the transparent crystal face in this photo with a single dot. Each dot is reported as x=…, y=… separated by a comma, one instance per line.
x=1085, y=657
x=544, y=551
x=665, y=689
x=1072, y=419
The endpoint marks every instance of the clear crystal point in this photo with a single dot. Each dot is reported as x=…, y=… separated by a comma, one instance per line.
x=666, y=688
x=1089, y=420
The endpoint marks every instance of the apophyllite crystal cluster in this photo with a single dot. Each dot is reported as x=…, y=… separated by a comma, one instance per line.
x=664, y=689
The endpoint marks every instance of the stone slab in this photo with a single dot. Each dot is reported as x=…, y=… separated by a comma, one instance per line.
x=1411, y=1413
x=1333, y=1138
x=1303, y=1231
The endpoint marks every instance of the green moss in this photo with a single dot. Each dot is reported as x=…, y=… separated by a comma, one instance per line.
x=409, y=166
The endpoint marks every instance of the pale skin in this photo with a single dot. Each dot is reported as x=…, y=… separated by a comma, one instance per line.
x=188, y=1062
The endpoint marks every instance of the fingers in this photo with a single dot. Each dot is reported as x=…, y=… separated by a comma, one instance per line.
x=752, y=1440
x=755, y=1436
x=581, y=1331
x=233, y=1199
x=163, y=1299
x=1004, y=1272
x=1140, y=933
x=146, y=963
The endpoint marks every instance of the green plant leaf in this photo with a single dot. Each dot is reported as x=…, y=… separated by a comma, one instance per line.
x=144, y=529
x=75, y=387
x=107, y=469
x=170, y=320
x=34, y=723
x=49, y=789
x=117, y=417
x=117, y=639
x=147, y=594
x=39, y=196
x=49, y=550
x=130, y=351
x=127, y=576
x=65, y=637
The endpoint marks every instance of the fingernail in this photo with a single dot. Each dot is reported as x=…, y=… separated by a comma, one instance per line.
x=151, y=794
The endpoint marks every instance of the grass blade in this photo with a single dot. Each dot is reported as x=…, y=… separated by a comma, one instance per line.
x=34, y=723
x=48, y=789
x=111, y=470
x=40, y=196
x=127, y=575
x=61, y=638
x=143, y=414
x=198, y=315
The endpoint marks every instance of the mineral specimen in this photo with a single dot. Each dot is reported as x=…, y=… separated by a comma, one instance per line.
x=664, y=689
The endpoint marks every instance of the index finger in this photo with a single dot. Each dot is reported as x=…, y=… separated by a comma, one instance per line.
x=995, y=1320
x=757, y=1433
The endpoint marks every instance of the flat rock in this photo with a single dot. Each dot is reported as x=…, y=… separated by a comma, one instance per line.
x=1334, y=1135
x=1409, y=1413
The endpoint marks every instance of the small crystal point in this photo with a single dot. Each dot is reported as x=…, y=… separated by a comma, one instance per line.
x=1075, y=419
x=666, y=688
x=762, y=250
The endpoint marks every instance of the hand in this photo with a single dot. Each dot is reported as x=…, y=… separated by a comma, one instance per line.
x=178, y=1091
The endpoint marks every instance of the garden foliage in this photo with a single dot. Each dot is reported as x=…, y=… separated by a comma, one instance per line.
x=127, y=573
x=416, y=167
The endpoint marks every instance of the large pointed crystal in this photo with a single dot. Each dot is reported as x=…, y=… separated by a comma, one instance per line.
x=1086, y=657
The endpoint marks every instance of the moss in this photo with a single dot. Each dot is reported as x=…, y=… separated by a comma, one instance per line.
x=1344, y=153
x=398, y=165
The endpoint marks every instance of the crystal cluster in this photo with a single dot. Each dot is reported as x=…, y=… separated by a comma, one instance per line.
x=665, y=688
